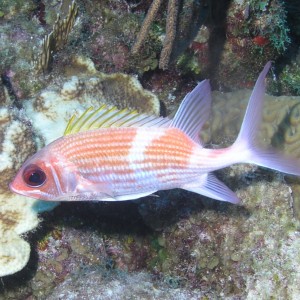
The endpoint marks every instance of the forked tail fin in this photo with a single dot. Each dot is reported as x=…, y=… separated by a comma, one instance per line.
x=245, y=144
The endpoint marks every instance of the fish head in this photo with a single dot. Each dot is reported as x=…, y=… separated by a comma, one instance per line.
x=40, y=177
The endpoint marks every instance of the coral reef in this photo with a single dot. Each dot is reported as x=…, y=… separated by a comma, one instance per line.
x=279, y=128
x=105, y=32
x=9, y=9
x=257, y=31
x=207, y=248
x=14, y=133
x=241, y=34
x=236, y=252
x=194, y=244
x=112, y=37
x=18, y=215
x=173, y=243
x=271, y=26
x=77, y=93
x=40, y=123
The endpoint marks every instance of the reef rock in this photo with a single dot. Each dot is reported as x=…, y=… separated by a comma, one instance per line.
x=110, y=285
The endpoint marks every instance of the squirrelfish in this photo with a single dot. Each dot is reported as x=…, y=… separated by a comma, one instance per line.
x=107, y=154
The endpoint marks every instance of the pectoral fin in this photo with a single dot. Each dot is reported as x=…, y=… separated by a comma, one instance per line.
x=103, y=192
x=85, y=186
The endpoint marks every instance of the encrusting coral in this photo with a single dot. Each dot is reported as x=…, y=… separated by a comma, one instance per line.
x=17, y=214
x=40, y=123
x=82, y=91
x=14, y=132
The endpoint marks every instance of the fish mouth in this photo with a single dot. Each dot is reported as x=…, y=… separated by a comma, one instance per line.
x=32, y=194
x=12, y=188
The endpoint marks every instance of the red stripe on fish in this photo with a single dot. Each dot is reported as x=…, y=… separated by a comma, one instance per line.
x=100, y=152
x=169, y=155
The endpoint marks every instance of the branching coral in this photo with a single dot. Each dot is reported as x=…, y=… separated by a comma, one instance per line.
x=57, y=38
x=170, y=30
x=184, y=19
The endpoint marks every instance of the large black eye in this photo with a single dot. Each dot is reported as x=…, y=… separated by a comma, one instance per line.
x=34, y=176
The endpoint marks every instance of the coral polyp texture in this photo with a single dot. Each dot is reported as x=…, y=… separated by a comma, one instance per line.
x=41, y=122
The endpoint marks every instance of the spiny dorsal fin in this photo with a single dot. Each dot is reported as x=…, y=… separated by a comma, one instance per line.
x=105, y=117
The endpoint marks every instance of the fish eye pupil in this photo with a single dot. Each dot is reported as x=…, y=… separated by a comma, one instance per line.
x=34, y=176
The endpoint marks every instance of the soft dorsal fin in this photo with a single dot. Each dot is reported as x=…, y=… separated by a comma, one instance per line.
x=105, y=117
x=194, y=111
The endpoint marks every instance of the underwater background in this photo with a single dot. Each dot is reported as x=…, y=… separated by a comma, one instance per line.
x=58, y=57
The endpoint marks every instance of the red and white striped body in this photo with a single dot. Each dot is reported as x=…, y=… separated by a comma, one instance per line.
x=128, y=161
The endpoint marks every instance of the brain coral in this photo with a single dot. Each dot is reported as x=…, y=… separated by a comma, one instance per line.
x=44, y=119
x=280, y=125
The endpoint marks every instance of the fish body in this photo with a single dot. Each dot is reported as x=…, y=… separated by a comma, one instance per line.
x=131, y=159
x=117, y=163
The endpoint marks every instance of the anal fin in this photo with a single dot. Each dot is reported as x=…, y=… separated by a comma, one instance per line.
x=208, y=185
x=134, y=196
